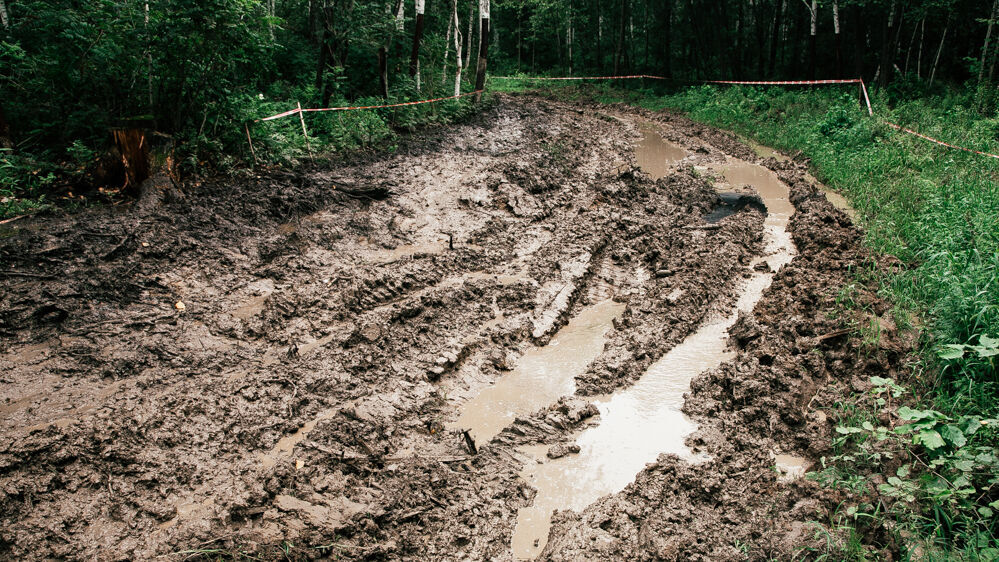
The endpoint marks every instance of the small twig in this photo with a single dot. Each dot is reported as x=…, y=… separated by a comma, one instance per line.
x=12, y=219
x=9, y=273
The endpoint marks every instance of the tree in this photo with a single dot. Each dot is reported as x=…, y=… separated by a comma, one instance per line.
x=480, y=69
x=414, y=59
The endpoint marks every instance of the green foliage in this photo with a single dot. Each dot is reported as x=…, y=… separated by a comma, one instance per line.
x=950, y=470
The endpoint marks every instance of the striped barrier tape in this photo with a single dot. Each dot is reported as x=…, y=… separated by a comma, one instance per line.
x=863, y=87
x=940, y=142
x=577, y=77
x=784, y=82
x=654, y=77
x=318, y=109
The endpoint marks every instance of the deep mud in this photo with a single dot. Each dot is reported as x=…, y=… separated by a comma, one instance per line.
x=273, y=365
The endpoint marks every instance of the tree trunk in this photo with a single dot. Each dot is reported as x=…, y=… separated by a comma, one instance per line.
x=839, y=42
x=936, y=60
x=451, y=23
x=858, y=42
x=480, y=69
x=919, y=60
x=619, y=51
x=813, y=16
x=668, y=47
x=414, y=57
x=985, y=47
x=6, y=139
x=457, y=48
x=468, y=36
x=4, y=15
x=600, y=37
x=908, y=52
x=568, y=38
x=886, y=35
x=383, y=69
x=775, y=37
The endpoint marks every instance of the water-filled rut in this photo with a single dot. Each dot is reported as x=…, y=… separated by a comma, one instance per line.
x=638, y=423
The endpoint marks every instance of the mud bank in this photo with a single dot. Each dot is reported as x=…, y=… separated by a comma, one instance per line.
x=273, y=366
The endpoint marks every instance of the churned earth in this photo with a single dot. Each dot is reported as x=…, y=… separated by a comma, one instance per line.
x=277, y=364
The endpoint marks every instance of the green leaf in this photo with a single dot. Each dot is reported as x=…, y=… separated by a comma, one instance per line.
x=953, y=434
x=930, y=439
x=951, y=351
x=848, y=430
x=964, y=465
x=880, y=381
x=986, y=341
x=985, y=512
x=868, y=426
x=907, y=413
x=902, y=471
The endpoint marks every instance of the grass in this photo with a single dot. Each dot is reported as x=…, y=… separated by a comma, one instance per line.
x=933, y=212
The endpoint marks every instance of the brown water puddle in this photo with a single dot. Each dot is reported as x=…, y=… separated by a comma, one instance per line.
x=542, y=375
x=641, y=422
x=790, y=467
x=654, y=154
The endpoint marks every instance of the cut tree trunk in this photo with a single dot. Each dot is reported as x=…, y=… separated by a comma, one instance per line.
x=149, y=165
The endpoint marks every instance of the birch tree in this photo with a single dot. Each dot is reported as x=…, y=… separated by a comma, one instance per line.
x=4, y=16
x=457, y=50
x=839, y=43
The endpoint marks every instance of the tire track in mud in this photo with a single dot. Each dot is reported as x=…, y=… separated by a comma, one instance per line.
x=353, y=346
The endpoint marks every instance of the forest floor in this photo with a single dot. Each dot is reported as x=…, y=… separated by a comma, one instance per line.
x=274, y=364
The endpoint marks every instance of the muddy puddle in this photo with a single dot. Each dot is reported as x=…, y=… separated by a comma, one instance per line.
x=654, y=154
x=542, y=375
x=641, y=422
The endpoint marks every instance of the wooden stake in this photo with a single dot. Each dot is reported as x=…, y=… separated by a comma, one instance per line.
x=249, y=140
x=308, y=145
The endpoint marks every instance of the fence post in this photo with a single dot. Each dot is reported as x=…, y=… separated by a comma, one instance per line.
x=249, y=140
x=308, y=145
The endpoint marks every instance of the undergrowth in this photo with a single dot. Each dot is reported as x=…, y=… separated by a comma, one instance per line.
x=35, y=182
x=936, y=210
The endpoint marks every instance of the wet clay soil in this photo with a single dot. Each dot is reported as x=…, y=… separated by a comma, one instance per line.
x=307, y=398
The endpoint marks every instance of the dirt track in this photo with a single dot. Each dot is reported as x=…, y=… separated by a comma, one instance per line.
x=299, y=401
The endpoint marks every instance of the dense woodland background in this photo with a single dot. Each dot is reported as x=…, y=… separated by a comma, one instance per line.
x=198, y=69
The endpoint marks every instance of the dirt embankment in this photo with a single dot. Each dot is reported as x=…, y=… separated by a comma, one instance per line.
x=268, y=365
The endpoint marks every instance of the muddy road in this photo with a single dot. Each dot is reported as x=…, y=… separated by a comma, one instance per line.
x=411, y=355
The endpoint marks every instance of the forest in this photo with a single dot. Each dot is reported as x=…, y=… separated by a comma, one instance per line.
x=256, y=304
x=199, y=70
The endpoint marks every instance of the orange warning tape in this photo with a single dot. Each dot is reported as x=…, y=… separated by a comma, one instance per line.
x=940, y=142
x=863, y=87
x=307, y=110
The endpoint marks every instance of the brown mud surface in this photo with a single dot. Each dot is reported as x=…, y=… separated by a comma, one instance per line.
x=272, y=365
